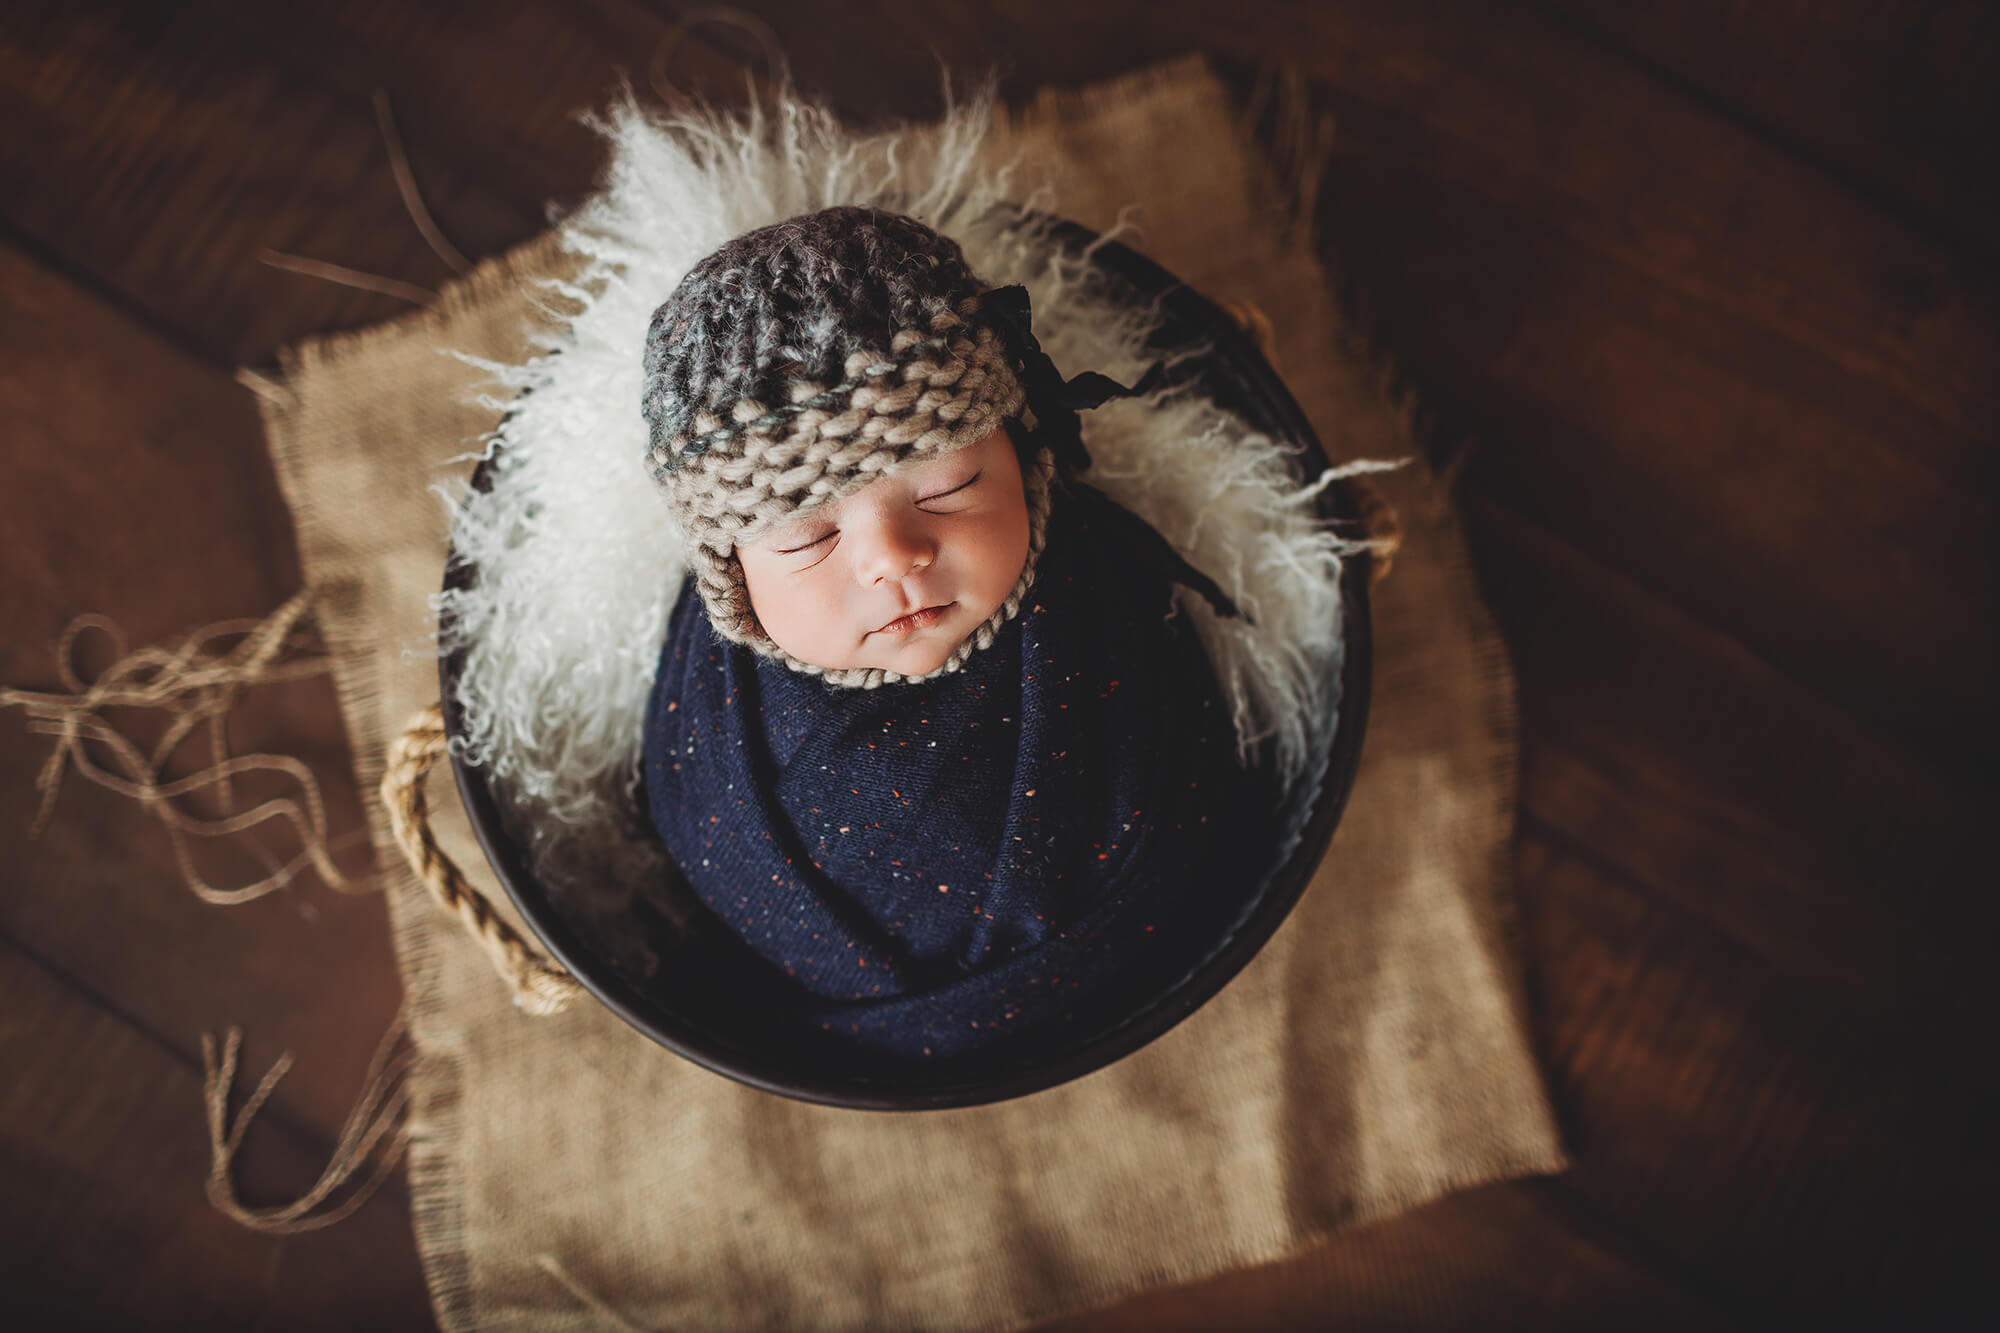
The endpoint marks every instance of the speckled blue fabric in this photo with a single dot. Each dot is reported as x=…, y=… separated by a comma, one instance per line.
x=968, y=860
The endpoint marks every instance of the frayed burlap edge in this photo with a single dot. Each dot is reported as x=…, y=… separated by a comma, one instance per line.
x=436, y=1080
x=435, y=1166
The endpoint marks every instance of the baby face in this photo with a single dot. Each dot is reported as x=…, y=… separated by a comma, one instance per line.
x=897, y=574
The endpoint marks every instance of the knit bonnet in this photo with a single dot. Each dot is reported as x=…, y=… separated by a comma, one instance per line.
x=802, y=361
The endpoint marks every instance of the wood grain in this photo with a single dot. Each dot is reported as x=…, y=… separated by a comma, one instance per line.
x=1689, y=1074
x=139, y=113
x=1700, y=771
x=137, y=485
x=102, y=1159
x=1705, y=294
x=500, y=95
x=1891, y=101
x=1663, y=407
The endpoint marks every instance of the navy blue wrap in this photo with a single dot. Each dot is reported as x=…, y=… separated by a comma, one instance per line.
x=987, y=855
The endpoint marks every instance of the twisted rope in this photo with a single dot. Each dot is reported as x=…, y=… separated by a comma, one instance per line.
x=194, y=685
x=539, y=984
x=375, y=1129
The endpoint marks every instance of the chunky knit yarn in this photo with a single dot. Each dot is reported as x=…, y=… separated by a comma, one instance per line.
x=802, y=361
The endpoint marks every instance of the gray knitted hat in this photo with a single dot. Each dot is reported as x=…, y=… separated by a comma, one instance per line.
x=800, y=362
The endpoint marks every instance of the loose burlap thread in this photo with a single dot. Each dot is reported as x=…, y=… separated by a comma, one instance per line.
x=566, y=1173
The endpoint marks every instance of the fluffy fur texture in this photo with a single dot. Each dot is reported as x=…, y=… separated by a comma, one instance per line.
x=578, y=560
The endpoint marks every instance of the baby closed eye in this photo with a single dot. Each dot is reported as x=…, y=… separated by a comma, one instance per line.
x=807, y=550
x=806, y=543
x=929, y=502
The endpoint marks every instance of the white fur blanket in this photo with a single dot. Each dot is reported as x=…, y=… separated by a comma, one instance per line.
x=578, y=562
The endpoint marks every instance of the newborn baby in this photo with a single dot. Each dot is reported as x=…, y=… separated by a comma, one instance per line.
x=930, y=740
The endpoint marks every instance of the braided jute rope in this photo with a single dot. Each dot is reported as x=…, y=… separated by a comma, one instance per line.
x=540, y=985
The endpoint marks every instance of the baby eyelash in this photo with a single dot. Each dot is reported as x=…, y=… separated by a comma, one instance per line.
x=794, y=550
x=922, y=500
x=954, y=490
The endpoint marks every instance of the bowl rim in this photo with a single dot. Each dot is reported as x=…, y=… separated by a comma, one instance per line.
x=1269, y=905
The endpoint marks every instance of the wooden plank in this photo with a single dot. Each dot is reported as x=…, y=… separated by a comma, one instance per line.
x=507, y=113
x=103, y=1159
x=136, y=485
x=160, y=154
x=1517, y=111
x=1752, y=938
x=1698, y=770
x=1591, y=261
x=1502, y=1256
x=1896, y=100
x=1734, y=1123
x=1826, y=518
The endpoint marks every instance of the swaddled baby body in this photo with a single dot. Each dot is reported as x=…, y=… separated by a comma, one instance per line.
x=929, y=737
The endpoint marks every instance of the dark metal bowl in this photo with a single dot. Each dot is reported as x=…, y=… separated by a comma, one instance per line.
x=705, y=1000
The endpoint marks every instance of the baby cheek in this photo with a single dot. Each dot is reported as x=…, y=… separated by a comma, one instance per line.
x=789, y=606
x=1007, y=552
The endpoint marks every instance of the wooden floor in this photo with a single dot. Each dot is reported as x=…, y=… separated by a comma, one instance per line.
x=1707, y=294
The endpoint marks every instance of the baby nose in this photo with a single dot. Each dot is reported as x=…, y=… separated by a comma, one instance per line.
x=894, y=550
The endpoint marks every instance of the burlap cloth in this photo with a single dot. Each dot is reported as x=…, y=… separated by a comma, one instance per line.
x=567, y=1173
